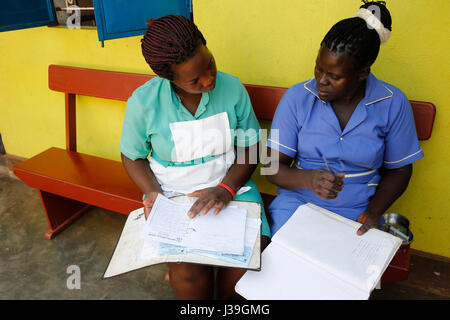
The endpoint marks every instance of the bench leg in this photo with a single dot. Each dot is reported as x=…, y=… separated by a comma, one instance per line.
x=61, y=212
x=398, y=269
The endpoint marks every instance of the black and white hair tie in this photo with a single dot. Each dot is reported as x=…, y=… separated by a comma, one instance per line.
x=374, y=23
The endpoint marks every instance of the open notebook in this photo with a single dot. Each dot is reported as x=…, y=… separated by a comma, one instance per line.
x=317, y=255
x=133, y=252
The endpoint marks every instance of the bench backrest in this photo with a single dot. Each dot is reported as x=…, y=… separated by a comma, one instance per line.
x=120, y=85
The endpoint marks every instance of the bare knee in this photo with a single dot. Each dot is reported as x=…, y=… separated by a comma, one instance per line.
x=190, y=281
x=189, y=272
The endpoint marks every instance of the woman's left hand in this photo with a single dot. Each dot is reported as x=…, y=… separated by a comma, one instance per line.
x=369, y=221
x=214, y=197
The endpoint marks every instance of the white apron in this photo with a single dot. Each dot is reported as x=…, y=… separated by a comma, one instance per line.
x=197, y=139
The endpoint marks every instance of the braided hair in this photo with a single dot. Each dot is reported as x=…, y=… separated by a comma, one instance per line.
x=169, y=40
x=353, y=36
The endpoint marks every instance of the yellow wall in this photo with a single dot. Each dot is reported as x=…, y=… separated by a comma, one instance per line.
x=262, y=42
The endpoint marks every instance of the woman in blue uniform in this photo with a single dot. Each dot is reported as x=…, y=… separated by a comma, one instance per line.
x=198, y=126
x=363, y=126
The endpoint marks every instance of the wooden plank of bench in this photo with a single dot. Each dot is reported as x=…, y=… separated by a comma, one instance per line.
x=398, y=269
x=83, y=178
x=265, y=100
x=93, y=180
x=424, y=114
x=95, y=83
x=61, y=212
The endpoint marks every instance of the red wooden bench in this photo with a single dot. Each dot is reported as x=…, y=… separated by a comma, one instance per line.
x=70, y=182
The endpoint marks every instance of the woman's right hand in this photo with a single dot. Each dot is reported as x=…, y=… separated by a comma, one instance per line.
x=148, y=202
x=325, y=184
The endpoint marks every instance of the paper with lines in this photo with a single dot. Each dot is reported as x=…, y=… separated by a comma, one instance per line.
x=168, y=222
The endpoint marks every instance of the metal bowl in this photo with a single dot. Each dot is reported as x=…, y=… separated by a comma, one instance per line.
x=397, y=225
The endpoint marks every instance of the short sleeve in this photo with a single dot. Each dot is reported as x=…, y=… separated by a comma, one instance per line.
x=248, y=130
x=285, y=129
x=135, y=143
x=401, y=143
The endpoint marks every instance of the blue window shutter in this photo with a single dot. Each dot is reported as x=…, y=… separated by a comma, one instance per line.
x=126, y=18
x=21, y=14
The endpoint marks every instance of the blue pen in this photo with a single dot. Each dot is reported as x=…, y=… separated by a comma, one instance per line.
x=324, y=160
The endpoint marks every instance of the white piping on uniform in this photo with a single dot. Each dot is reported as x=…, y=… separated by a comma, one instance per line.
x=368, y=103
x=304, y=85
x=281, y=145
x=350, y=175
x=354, y=175
x=387, y=97
x=404, y=157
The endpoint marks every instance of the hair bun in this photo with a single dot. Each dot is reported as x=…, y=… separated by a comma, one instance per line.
x=380, y=11
x=377, y=17
x=149, y=22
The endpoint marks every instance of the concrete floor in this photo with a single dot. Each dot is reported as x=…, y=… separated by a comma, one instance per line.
x=35, y=268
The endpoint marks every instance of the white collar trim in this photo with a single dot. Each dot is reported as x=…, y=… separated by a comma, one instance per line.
x=391, y=94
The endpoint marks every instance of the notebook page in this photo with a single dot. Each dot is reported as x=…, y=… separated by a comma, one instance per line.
x=330, y=241
x=168, y=222
x=286, y=276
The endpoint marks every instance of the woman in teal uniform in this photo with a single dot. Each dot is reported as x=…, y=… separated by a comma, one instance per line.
x=197, y=124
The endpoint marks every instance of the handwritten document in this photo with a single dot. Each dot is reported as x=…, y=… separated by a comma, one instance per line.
x=317, y=254
x=168, y=222
x=330, y=241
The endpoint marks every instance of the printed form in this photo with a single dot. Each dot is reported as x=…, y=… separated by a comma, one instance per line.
x=168, y=222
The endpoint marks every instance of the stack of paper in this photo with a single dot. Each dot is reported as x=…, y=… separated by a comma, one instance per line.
x=169, y=223
x=230, y=238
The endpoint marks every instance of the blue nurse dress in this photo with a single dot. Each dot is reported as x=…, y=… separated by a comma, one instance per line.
x=380, y=132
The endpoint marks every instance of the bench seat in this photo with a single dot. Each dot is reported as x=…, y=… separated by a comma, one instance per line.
x=75, y=180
